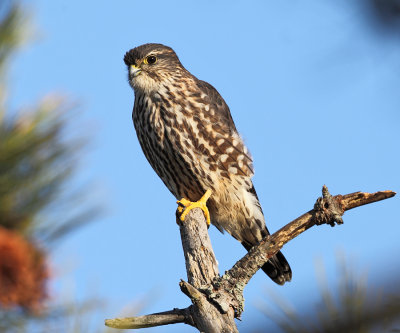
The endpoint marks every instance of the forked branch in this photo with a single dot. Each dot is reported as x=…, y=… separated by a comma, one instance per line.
x=327, y=210
x=216, y=300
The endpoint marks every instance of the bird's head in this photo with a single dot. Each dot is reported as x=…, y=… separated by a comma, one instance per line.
x=151, y=65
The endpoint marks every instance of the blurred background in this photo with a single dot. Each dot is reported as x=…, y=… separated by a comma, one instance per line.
x=87, y=230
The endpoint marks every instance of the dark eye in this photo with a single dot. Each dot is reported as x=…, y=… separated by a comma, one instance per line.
x=151, y=59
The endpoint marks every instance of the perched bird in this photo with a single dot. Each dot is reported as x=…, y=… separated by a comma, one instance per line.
x=188, y=136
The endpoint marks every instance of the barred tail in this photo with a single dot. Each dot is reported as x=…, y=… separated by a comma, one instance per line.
x=277, y=268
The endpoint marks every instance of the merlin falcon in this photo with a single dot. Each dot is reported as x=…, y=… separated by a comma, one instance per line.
x=188, y=136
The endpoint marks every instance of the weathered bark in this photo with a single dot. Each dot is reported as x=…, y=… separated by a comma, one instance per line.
x=216, y=300
x=229, y=288
x=202, y=269
x=156, y=319
x=201, y=265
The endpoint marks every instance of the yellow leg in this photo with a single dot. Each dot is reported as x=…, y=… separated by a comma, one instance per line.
x=186, y=206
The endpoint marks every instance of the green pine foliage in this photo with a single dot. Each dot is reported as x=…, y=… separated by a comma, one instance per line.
x=38, y=160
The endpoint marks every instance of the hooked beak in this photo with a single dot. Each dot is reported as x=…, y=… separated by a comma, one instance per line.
x=134, y=70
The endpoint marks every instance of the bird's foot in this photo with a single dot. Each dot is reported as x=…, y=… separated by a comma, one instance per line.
x=185, y=206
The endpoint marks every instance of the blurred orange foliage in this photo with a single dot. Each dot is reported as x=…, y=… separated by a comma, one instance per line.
x=23, y=272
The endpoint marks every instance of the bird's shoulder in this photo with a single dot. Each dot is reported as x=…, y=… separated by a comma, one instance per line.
x=217, y=104
x=227, y=139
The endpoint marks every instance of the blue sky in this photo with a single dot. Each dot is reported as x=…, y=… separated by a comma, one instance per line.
x=313, y=88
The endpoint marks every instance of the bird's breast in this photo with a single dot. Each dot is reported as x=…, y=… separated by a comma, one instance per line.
x=164, y=140
x=148, y=121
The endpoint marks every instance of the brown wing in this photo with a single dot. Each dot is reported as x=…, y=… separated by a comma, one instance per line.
x=229, y=147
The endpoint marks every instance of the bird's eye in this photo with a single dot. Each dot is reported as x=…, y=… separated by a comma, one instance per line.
x=150, y=60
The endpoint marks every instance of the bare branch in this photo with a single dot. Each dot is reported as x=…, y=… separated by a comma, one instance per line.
x=358, y=199
x=201, y=265
x=325, y=210
x=202, y=269
x=216, y=301
x=156, y=319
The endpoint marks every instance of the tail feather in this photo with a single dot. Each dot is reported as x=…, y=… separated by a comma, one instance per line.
x=277, y=268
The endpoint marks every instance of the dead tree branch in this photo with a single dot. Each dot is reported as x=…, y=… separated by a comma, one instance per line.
x=156, y=319
x=216, y=300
